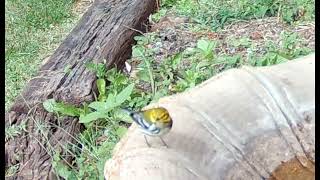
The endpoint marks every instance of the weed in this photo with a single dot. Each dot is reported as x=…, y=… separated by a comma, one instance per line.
x=158, y=15
x=95, y=110
x=12, y=170
x=290, y=47
x=178, y=72
x=145, y=73
x=206, y=48
x=15, y=130
x=104, y=122
x=216, y=13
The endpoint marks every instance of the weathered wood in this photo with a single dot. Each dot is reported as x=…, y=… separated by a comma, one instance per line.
x=104, y=32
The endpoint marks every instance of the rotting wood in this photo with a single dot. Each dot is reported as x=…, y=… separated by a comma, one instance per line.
x=102, y=33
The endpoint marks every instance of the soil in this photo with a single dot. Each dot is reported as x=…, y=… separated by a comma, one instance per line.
x=175, y=35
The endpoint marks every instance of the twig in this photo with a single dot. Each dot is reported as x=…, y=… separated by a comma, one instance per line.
x=136, y=30
x=279, y=11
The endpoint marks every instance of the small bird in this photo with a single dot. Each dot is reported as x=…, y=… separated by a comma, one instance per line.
x=153, y=122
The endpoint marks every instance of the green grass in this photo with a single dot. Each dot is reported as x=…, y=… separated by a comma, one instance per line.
x=215, y=14
x=33, y=30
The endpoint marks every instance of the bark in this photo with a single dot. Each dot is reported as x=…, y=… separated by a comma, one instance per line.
x=104, y=32
x=240, y=124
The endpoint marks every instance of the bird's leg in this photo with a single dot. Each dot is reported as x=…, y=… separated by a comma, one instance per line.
x=163, y=142
x=145, y=138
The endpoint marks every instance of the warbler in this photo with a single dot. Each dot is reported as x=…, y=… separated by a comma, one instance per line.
x=152, y=122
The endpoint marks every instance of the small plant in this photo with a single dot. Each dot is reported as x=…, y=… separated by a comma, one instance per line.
x=244, y=42
x=15, y=130
x=270, y=59
x=102, y=119
x=145, y=73
x=61, y=169
x=101, y=109
x=168, y=3
x=118, y=81
x=12, y=170
x=206, y=48
x=291, y=46
x=217, y=13
x=158, y=15
x=100, y=71
x=190, y=79
x=93, y=111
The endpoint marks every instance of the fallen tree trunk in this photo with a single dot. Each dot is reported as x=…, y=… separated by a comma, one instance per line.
x=248, y=123
x=105, y=31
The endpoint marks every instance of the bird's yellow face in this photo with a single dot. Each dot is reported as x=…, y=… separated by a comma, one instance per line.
x=157, y=116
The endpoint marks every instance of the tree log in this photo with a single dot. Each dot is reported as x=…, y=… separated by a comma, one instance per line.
x=105, y=32
x=247, y=123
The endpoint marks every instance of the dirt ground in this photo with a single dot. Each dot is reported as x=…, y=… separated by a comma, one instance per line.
x=175, y=35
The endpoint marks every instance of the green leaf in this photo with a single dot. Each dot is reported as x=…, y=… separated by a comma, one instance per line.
x=206, y=48
x=67, y=69
x=98, y=106
x=159, y=94
x=52, y=106
x=61, y=169
x=157, y=16
x=176, y=59
x=101, y=84
x=91, y=66
x=69, y=110
x=261, y=11
x=137, y=51
x=92, y=117
x=49, y=105
x=140, y=39
x=104, y=106
x=233, y=60
x=123, y=116
x=203, y=45
x=121, y=131
x=85, y=109
x=202, y=64
x=246, y=42
x=143, y=75
x=263, y=62
x=99, y=69
x=124, y=94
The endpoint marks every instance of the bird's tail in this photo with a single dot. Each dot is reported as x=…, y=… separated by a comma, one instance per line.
x=127, y=110
x=132, y=115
